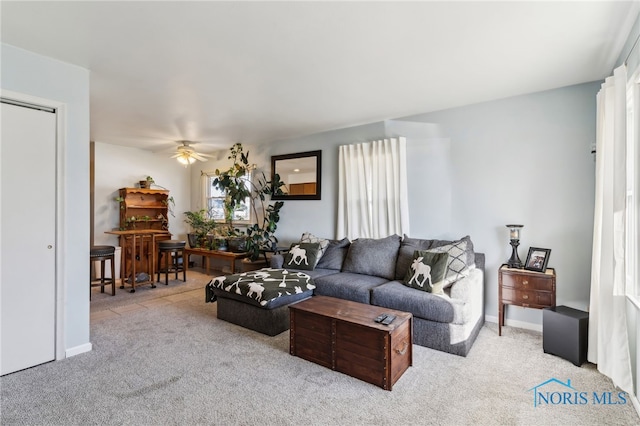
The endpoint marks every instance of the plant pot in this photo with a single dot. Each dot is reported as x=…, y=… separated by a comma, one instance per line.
x=237, y=244
x=143, y=184
x=193, y=240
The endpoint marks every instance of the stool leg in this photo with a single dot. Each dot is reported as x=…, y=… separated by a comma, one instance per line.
x=184, y=267
x=113, y=276
x=166, y=268
x=102, y=275
x=174, y=260
x=159, y=266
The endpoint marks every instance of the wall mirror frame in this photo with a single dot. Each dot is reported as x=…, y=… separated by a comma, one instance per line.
x=302, y=174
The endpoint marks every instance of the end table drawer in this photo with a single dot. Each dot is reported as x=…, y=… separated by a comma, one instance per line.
x=527, y=282
x=526, y=298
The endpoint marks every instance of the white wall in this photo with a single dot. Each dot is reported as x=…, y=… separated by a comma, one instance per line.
x=122, y=167
x=36, y=75
x=524, y=159
x=527, y=160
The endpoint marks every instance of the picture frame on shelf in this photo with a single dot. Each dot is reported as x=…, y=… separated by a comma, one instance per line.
x=537, y=259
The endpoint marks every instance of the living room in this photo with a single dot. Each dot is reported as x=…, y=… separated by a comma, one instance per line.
x=518, y=156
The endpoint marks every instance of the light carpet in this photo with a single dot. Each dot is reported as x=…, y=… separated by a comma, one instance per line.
x=177, y=364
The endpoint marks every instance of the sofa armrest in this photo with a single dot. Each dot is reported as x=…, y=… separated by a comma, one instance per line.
x=469, y=288
x=277, y=260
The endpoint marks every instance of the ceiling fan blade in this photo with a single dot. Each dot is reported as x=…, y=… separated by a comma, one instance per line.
x=202, y=154
x=198, y=156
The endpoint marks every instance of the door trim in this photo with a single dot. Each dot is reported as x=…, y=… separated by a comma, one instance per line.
x=61, y=143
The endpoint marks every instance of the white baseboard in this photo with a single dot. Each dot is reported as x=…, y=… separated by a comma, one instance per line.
x=78, y=350
x=515, y=323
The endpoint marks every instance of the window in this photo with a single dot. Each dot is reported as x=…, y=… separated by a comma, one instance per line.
x=215, y=202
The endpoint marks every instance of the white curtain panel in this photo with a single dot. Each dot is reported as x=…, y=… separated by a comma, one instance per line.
x=372, y=189
x=608, y=340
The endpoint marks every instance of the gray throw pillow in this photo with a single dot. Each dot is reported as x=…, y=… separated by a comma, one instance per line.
x=302, y=256
x=334, y=254
x=469, y=252
x=375, y=257
x=427, y=271
x=457, y=266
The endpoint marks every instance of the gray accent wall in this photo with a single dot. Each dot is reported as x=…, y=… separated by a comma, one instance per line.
x=474, y=169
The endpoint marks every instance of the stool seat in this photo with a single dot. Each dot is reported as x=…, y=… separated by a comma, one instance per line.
x=171, y=244
x=102, y=254
x=173, y=253
x=100, y=251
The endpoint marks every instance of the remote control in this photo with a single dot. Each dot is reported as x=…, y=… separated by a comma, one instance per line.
x=380, y=318
x=388, y=320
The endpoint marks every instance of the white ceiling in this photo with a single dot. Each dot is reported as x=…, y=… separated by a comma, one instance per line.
x=225, y=72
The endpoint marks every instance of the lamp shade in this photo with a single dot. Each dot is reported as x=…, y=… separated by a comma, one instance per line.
x=514, y=231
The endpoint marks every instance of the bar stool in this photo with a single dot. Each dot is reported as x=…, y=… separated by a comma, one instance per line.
x=102, y=254
x=174, y=250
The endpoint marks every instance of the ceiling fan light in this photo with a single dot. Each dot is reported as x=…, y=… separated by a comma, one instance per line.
x=186, y=159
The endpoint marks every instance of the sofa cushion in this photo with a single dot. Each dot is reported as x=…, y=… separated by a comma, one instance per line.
x=375, y=257
x=335, y=254
x=308, y=237
x=405, y=255
x=428, y=306
x=348, y=286
x=301, y=256
x=427, y=271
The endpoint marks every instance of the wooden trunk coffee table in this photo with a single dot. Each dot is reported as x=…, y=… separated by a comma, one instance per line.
x=342, y=335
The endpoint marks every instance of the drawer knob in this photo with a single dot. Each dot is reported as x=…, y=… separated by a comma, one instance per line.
x=525, y=296
x=404, y=348
x=525, y=282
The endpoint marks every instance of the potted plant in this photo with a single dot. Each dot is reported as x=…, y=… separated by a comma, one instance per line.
x=237, y=189
x=201, y=225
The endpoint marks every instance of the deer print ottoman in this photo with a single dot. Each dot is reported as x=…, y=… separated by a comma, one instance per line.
x=259, y=300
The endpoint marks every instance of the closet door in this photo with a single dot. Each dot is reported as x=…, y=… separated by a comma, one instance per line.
x=27, y=235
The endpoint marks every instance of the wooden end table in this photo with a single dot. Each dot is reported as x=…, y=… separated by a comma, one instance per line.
x=525, y=288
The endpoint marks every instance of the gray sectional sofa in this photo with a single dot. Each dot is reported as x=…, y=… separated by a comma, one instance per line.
x=371, y=271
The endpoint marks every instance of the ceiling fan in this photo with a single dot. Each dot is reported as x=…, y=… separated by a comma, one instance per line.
x=187, y=155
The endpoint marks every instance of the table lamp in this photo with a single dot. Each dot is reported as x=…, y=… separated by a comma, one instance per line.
x=514, y=236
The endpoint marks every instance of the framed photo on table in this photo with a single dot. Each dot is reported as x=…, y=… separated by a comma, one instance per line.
x=537, y=259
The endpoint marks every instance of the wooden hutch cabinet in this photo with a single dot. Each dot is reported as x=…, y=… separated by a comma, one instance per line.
x=144, y=209
x=525, y=288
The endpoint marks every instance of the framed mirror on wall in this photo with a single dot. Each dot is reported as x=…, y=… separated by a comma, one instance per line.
x=301, y=174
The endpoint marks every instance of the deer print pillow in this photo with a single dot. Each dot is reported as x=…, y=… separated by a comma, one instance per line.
x=302, y=256
x=427, y=271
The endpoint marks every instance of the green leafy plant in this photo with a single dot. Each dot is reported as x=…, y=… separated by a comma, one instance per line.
x=120, y=200
x=237, y=189
x=171, y=204
x=201, y=224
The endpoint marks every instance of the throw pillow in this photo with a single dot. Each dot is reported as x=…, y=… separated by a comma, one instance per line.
x=334, y=255
x=375, y=257
x=308, y=237
x=457, y=265
x=471, y=256
x=427, y=271
x=302, y=256
x=405, y=254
